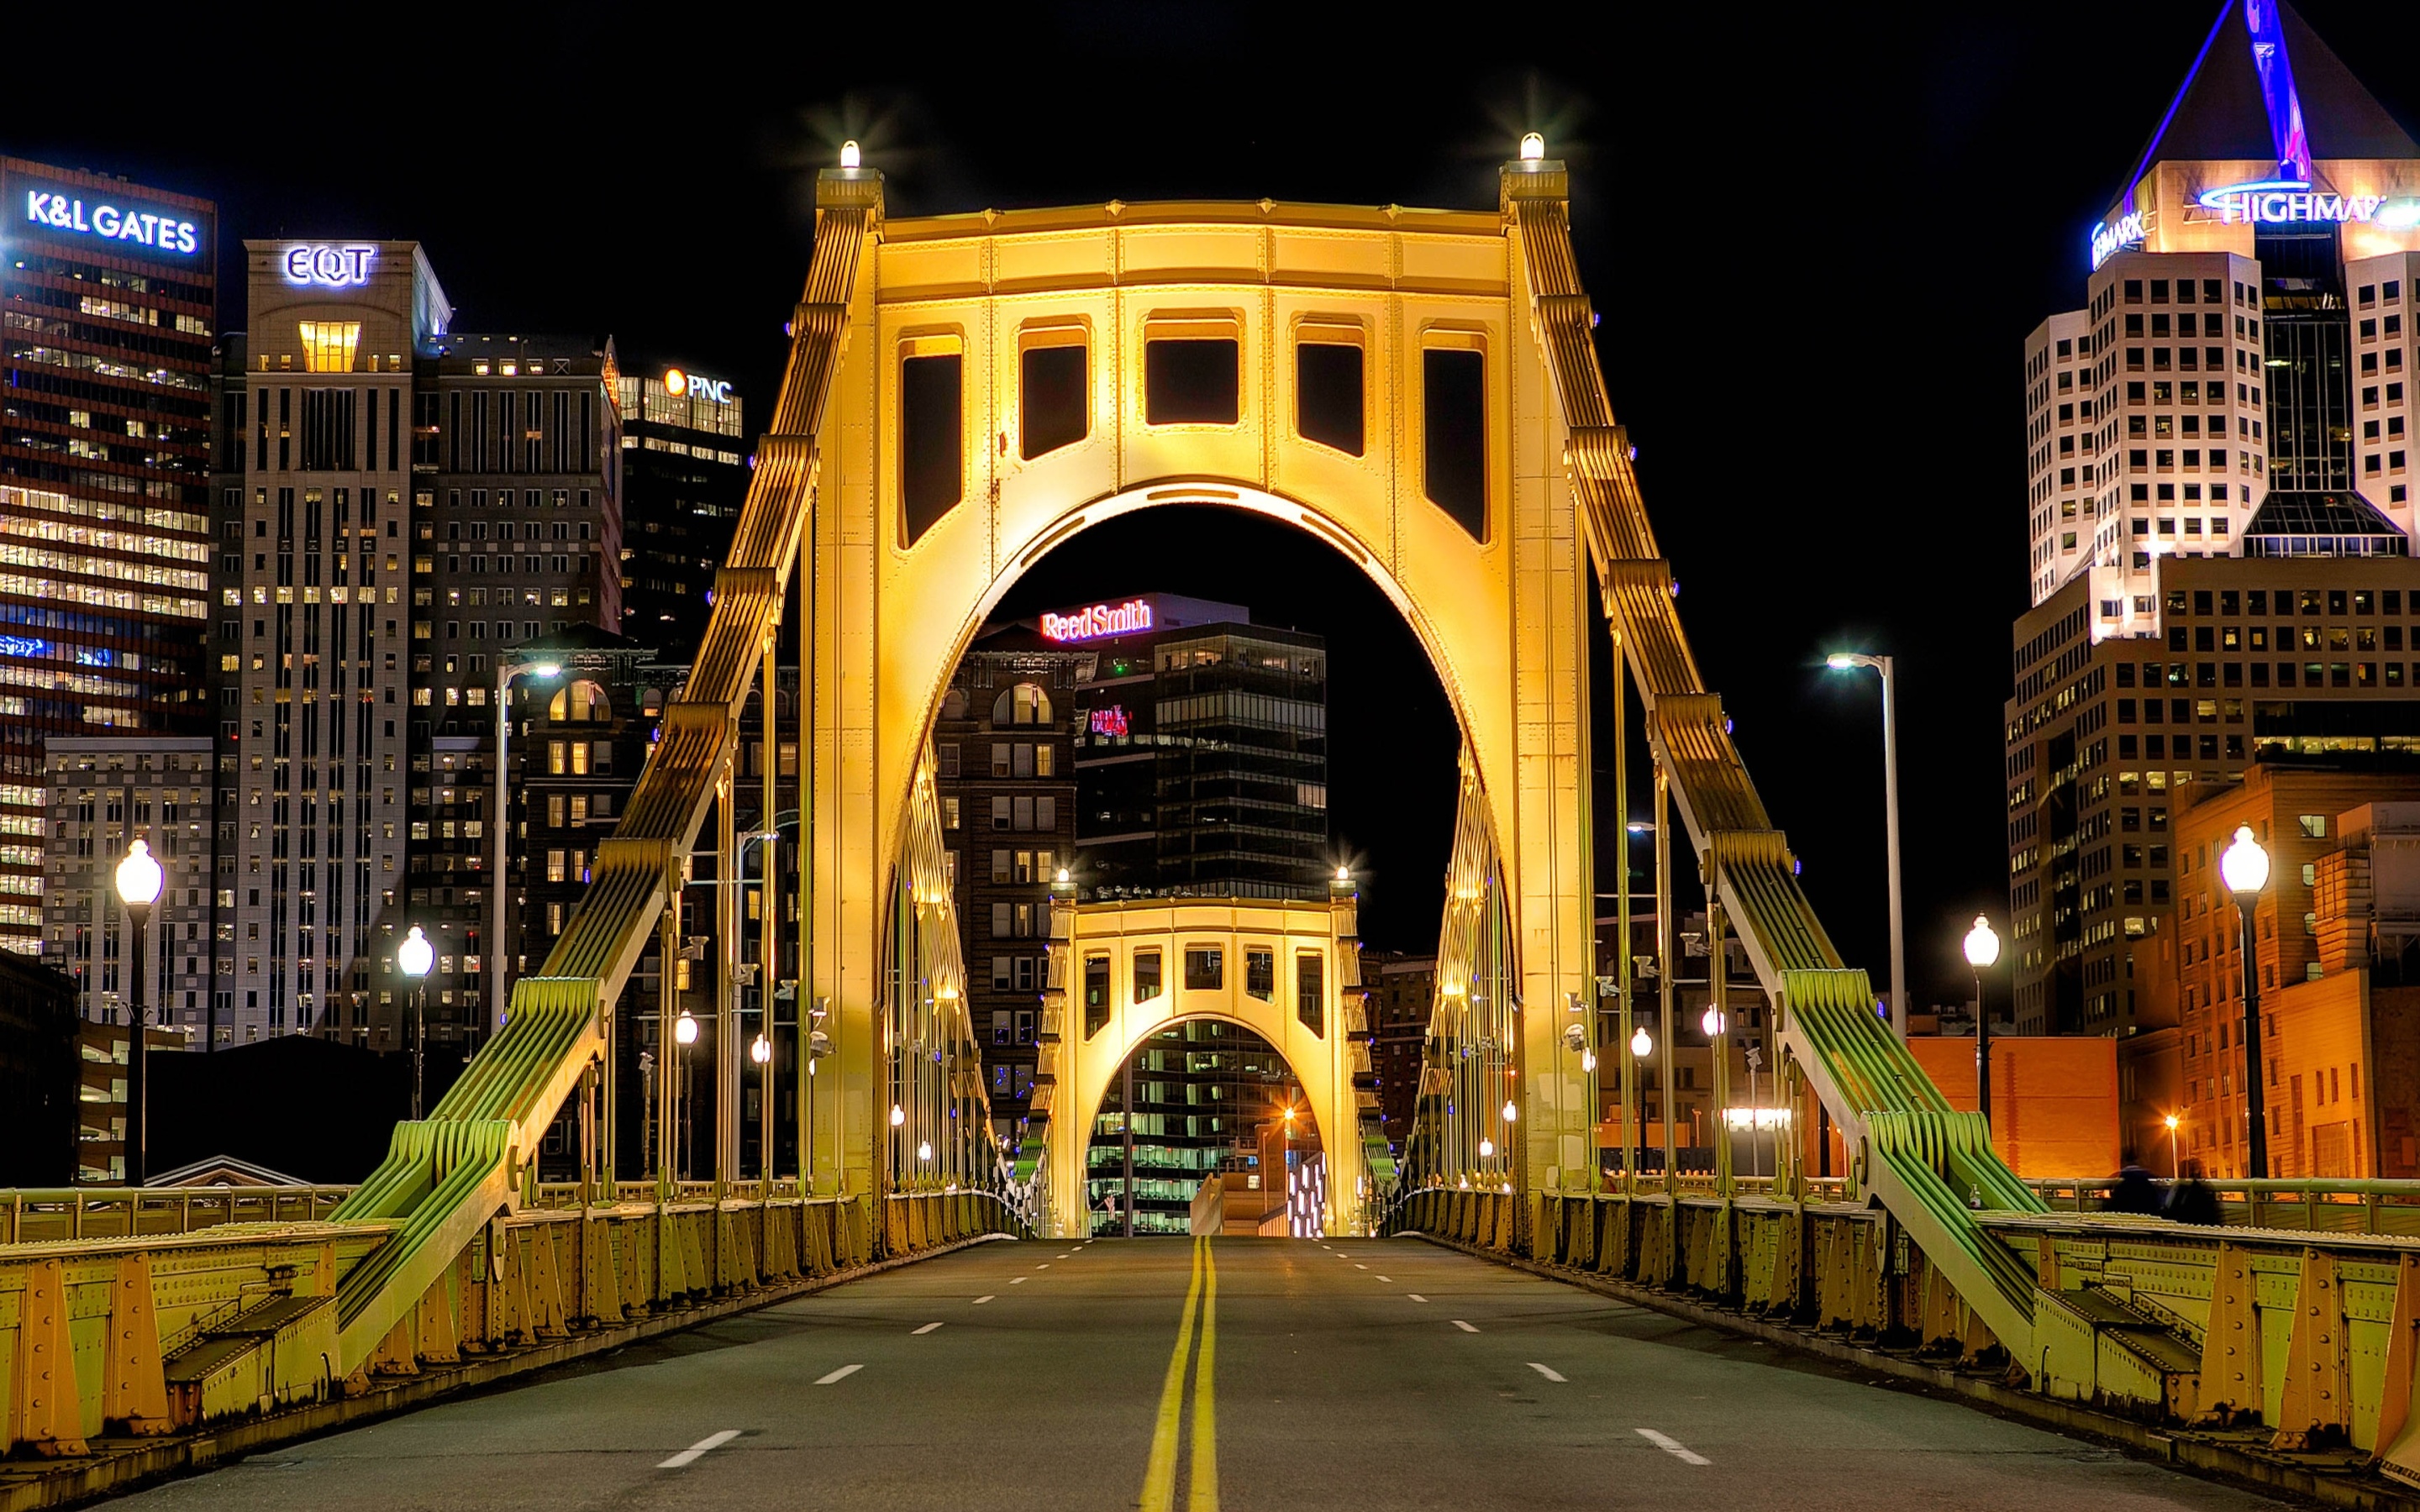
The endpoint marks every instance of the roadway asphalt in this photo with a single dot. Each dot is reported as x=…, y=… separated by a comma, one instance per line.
x=1380, y=1374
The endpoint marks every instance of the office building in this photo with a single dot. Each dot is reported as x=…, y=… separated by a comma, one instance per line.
x=2218, y=488
x=1205, y=1093
x=1003, y=743
x=104, y=792
x=107, y=305
x=401, y=506
x=1401, y=997
x=684, y=477
x=1201, y=752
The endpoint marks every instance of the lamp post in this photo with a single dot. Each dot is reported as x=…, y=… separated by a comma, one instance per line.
x=413, y=955
x=1982, y=949
x=2175, y=1167
x=684, y=1035
x=1712, y=1022
x=2245, y=869
x=1844, y=661
x=138, y=889
x=497, y=881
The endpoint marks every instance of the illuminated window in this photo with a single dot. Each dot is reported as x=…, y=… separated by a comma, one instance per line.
x=328, y=345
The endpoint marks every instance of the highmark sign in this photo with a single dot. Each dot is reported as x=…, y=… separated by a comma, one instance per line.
x=1129, y=618
x=2286, y=202
x=54, y=211
x=2111, y=236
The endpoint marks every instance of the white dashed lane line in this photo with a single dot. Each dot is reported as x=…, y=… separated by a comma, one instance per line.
x=714, y=1441
x=1547, y=1372
x=1018, y=1280
x=984, y=1298
x=1672, y=1446
x=841, y=1374
x=1389, y=1279
x=926, y=1329
x=1465, y=1327
x=1415, y=1296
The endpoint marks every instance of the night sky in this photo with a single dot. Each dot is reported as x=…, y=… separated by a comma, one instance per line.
x=1816, y=241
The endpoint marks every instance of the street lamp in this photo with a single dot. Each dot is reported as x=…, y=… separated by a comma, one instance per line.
x=413, y=955
x=684, y=1035
x=2245, y=869
x=1844, y=661
x=138, y=889
x=506, y=669
x=2174, y=1168
x=1982, y=949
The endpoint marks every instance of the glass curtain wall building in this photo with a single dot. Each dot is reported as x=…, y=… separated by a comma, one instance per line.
x=1204, y=1091
x=1201, y=755
x=107, y=306
x=685, y=477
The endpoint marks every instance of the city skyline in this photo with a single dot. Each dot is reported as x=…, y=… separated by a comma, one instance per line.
x=1992, y=104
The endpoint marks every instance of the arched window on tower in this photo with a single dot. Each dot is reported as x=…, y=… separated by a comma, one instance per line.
x=1025, y=703
x=580, y=703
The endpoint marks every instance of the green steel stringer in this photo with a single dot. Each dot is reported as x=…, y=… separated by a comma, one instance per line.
x=1930, y=1165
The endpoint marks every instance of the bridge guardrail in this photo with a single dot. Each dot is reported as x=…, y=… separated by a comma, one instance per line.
x=37, y=1214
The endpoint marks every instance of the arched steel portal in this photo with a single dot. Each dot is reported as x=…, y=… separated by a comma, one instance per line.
x=1290, y=972
x=927, y=510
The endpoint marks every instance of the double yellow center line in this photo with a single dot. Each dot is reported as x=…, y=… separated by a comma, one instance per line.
x=1160, y=1474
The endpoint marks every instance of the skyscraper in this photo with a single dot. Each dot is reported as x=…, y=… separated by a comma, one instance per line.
x=684, y=477
x=2218, y=496
x=400, y=506
x=1201, y=752
x=107, y=305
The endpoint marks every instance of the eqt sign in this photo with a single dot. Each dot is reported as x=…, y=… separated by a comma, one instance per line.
x=330, y=266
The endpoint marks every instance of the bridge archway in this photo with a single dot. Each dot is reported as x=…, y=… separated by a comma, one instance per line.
x=1288, y=971
x=1446, y=485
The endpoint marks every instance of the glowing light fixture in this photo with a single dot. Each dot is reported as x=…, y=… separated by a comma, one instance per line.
x=1510, y=1112
x=761, y=1050
x=1587, y=1060
x=685, y=1028
x=925, y=1150
x=1533, y=148
x=2245, y=865
x=1983, y=945
x=138, y=877
x=1343, y=873
x=850, y=156
x=414, y=955
x=2172, y=1121
x=1487, y=1149
x=898, y=1114
x=1711, y=1023
x=1641, y=1043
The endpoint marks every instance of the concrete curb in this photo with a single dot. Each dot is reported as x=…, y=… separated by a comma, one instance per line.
x=125, y=1464
x=2357, y=1489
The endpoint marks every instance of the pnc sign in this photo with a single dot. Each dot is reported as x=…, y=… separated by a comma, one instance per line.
x=1129, y=618
x=714, y=391
x=111, y=223
x=328, y=266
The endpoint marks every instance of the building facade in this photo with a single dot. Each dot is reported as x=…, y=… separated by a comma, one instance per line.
x=107, y=308
x=684, y=454
x=106, y=791
x=1003, y=744
x=2218, y=499
x=400, y=506
x=2337, y=945
x=1201, y=752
